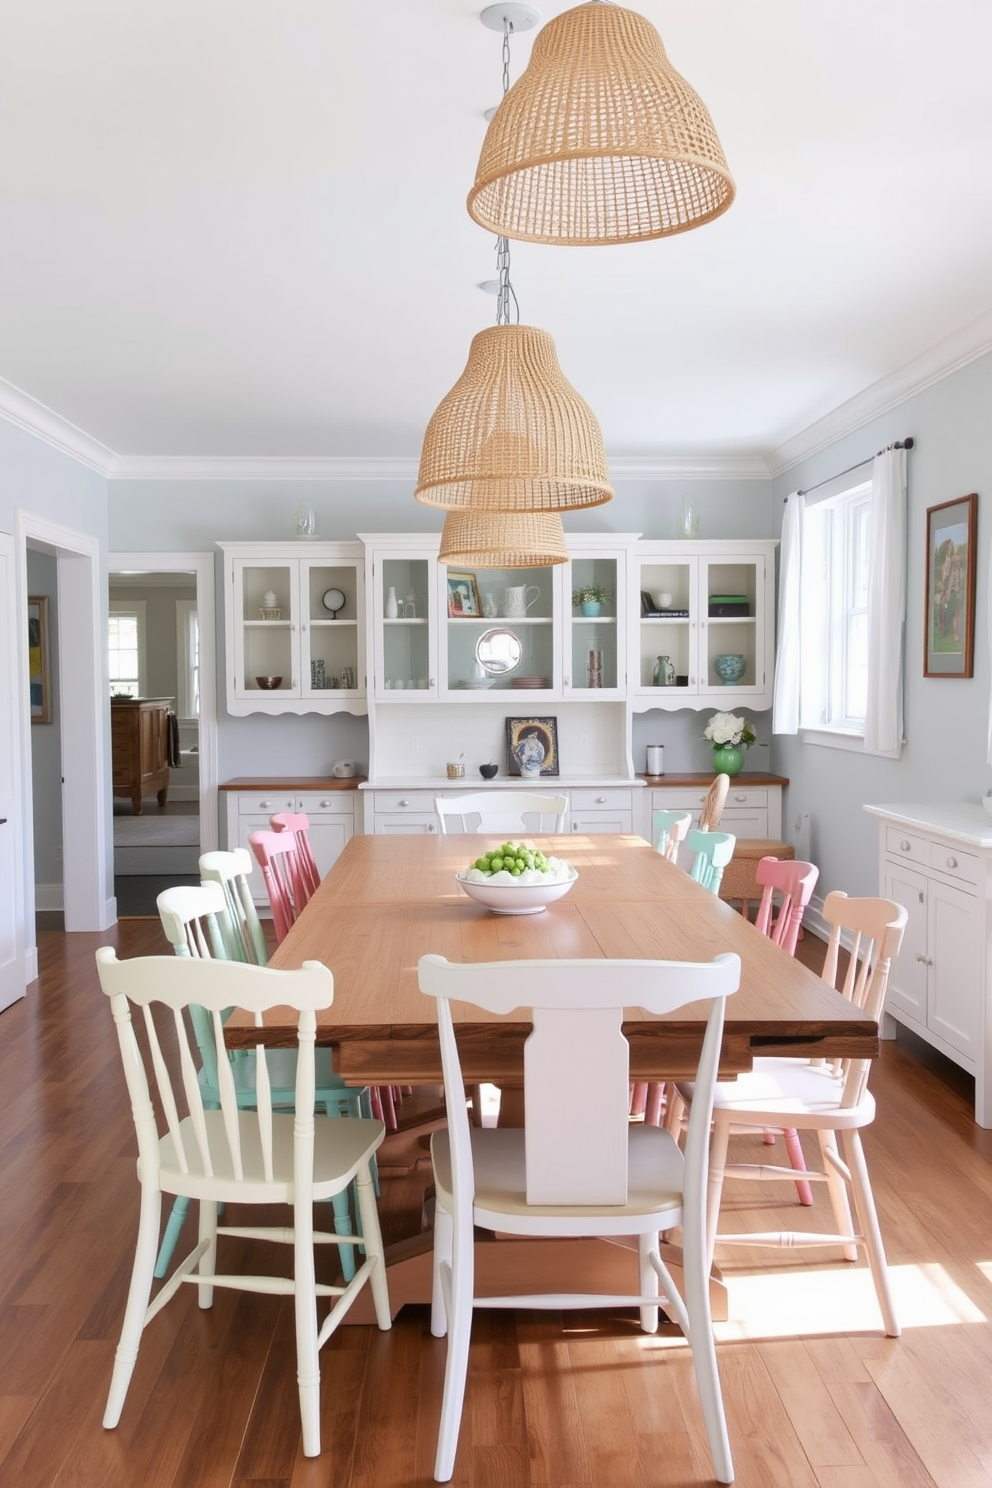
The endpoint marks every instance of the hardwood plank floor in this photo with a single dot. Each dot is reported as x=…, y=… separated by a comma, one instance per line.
x=815, y=1394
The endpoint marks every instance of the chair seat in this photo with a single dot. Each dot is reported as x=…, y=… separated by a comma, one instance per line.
x=340, y=1149
x=654, y=1185
x=788, y=1092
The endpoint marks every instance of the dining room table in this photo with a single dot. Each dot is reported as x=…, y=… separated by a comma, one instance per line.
x=388, y=900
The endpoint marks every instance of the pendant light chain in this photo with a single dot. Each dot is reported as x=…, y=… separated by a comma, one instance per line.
x=506, y=292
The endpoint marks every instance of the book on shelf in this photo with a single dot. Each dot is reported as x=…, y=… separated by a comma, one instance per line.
x=665, y=614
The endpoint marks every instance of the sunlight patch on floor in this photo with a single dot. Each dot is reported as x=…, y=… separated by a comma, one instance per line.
x=841, y=1300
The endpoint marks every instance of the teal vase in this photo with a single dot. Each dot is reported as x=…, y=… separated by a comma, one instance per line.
x=728, y=759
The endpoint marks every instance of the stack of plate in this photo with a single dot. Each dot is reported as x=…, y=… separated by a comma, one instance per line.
x=531, y=682
x=477, y=683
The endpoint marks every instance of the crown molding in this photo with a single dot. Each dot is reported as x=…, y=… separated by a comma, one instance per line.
x=964, y=345
x=26, y=413
x=404, y=468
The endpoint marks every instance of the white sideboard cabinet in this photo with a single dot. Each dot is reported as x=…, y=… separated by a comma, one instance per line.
x=753, y=808
x=332, y=806
x=937, y=861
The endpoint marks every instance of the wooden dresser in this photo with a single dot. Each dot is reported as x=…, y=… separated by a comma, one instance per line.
x=140, y=742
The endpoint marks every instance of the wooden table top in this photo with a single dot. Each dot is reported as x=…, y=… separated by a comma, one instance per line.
x=389, y=900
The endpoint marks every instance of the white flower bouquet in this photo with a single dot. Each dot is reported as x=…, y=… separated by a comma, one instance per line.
x=728, y=730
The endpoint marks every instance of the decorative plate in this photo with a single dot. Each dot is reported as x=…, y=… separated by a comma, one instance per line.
x=332, y=599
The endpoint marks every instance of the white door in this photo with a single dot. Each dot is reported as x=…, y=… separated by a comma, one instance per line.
x=12, y=969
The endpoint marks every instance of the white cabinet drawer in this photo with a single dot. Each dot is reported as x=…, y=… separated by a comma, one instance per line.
x=956, y=864
x=691, y=798
x=601, y=800
x=268, y=803
x=401, y=825
x=393, y=801
x=903, y=844
x=314, y=803
x=592, y=822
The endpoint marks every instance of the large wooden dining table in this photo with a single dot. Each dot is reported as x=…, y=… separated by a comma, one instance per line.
x=389, y=900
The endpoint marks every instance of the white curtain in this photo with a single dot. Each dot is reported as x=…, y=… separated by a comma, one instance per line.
x=886, y=603
x=788, y=661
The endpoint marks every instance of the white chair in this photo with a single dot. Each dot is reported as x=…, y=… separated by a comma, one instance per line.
x=234, y=1156
x=831, y=1100
x=232, y=870
x=578, y=1167
x=670, y=828
x=507, y=811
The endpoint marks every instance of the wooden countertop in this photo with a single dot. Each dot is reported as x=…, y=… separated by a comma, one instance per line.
x=292, y=783
x=705, y=777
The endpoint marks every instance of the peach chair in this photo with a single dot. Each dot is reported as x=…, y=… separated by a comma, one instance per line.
x=834, y=1102
x=298, y=823
x=278, y=857
x=794, y=881
x=669, y=831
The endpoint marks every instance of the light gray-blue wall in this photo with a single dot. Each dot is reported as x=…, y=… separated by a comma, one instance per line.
x=946, y=719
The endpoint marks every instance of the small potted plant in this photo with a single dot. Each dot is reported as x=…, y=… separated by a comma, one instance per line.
x=590, y=598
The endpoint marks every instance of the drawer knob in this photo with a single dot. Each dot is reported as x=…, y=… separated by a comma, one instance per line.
x=952, y=862
x=600, y=800
x=265, y=805
x=404, y=803
x=432, y=828
x=325, y=803
x=904, y=845
x=740, y=796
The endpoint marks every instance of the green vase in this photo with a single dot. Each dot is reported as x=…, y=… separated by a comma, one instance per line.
x=728, y=759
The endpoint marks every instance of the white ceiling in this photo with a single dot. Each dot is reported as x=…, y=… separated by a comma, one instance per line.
x=237, y=228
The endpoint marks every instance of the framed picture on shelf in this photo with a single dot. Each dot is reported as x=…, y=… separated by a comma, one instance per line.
x=463, y=594
x=949, y=637
x=38, y=667
x=544, y=730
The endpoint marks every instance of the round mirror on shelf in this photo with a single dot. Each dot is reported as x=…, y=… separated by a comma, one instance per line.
x=332, y=599
x=498, y=651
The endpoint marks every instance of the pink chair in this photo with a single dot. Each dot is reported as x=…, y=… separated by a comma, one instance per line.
x=298, y=823
x=795, y=882
x=277, y=855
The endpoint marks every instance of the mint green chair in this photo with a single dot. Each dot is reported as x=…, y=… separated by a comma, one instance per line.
x=714, y=851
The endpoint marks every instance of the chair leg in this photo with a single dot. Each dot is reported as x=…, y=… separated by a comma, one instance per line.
x=170, y=1239
x=638, y=1097
x=305, y=1305
x=696, y=1273
x=388, y=1106
x=719, y=1142
x=797, y=1159
x=442, y=1256
x=369, y=1218
x=149, y=1219
x=208, y=1261
x=655, y=1108
x=343, y=1226
x=456, y=1363
x=864, y=1201
x=648, y=1280
x=674, y=1112
x=837, y=1189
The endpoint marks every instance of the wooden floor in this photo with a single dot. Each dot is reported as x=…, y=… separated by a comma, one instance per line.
x=815, y=1395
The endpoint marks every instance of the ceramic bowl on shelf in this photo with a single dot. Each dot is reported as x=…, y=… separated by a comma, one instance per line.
x=516, y=898
x=730, y=669
x=488, y=771
x=268, y=684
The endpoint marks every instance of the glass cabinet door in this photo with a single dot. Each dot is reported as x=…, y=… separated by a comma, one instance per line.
x=520, y=601
x=595, y=603
x=731, y=650
x=331, y=658
x=667, y=631
x=402, y=624
x=266, y=643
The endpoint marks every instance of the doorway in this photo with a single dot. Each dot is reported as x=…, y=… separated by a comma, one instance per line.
x=161, y=619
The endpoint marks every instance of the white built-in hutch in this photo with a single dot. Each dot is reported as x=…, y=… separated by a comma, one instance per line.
x=378, y=626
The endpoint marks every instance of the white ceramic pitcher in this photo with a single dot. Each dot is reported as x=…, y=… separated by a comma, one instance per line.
x=517, y=599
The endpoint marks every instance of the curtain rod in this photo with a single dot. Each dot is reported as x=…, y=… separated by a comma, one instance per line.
x=906, y=444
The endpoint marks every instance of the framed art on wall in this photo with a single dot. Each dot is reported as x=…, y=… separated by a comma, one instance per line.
x=38, y=669
x=949, y=637
x=463, y=594
x=521, y=730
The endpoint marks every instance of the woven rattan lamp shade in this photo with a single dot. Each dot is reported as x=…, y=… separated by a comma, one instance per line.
x=477, y=539
x=600, y=140
x=513, y=434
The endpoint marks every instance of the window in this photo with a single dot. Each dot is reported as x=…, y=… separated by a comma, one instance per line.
x=188, y=658
x=126, y=647
x=835, y=612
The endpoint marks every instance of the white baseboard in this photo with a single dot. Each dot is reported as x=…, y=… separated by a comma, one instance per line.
x=49, y=897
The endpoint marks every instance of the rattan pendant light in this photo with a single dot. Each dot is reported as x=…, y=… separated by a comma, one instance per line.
x=513, y=435
x=472, y=539
x=600, y=140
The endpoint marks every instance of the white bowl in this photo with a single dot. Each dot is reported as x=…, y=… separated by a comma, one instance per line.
x=514, y=898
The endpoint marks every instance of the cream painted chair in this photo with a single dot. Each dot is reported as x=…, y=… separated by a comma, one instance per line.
x=831, y=1100
x=576, y=1168
x=233, y=1156
x=508, y=811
